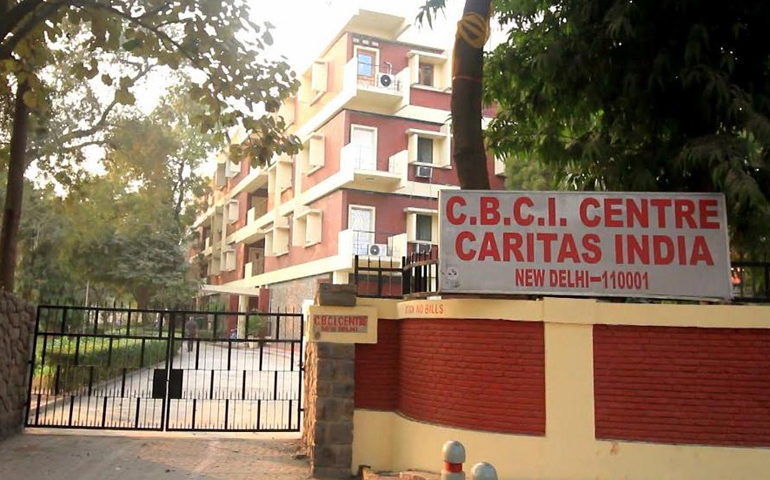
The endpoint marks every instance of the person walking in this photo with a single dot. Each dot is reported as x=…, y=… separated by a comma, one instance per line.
x=190, y=332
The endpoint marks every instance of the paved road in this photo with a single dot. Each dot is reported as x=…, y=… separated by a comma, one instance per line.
x=239, y=388
x=150, y=456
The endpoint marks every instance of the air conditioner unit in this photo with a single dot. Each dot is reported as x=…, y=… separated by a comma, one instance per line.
x=423, y=248
x=378, y=250
x=423, y=171
x=386, y=80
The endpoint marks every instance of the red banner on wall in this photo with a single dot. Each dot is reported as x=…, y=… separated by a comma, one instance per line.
x=666, y=245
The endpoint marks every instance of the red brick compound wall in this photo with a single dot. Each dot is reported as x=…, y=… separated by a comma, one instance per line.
x=683, y=385
x=479, y=374
x=567, y=388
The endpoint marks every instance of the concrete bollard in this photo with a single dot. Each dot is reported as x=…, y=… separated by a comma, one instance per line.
x=483, y=471
x=454, y=457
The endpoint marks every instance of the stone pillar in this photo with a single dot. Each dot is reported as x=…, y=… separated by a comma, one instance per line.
x=328, y=429
x=17, y=323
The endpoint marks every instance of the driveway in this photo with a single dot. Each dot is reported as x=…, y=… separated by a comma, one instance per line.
x=45, y=455
x=262, y=389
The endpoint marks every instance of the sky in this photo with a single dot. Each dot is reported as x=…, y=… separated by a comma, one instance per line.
x=305, y=27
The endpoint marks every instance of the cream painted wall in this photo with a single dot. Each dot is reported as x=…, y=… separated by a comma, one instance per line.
x=388, y=441
x=569, y=450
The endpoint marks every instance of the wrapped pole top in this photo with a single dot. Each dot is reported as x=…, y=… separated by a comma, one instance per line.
x=454, y=452
x=483, y=471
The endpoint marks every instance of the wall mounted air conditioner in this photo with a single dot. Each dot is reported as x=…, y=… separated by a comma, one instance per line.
x=423, y=171
x=386, y=80
x=378, y=250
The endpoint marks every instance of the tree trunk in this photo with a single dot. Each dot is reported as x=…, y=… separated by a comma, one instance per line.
x=468, y=152
x=14, y=190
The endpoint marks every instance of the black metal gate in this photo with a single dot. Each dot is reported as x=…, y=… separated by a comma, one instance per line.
x=132, y=369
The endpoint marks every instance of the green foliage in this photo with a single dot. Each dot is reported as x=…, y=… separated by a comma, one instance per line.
x=255, y=325
x=126, y=353
x=523, y=174
x=670, y=96
x=117, y=42
x=121, y=235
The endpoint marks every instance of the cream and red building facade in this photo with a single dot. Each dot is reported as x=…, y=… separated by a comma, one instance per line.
x=372, y=114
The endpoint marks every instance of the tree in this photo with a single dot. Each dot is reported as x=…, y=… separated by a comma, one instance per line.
x=468, y=151
x=216, y=39
x=670, y=96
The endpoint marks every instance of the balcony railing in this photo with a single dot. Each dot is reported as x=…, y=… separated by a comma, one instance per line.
x=358, y=157
x=377, y=77
x=373, y=244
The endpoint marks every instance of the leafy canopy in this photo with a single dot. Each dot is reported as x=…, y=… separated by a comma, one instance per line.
x=217, y=42
x=671, y=95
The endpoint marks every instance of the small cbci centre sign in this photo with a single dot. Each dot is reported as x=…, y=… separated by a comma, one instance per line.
x=665, y=245
x=342, y=324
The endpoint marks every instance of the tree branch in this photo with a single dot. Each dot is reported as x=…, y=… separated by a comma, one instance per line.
x=14, y=17
x=34, y=154
x=103, y=118
x=6, y=47
x=138, y=21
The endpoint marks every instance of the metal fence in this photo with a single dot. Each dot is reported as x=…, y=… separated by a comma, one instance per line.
x=144, y=369
x=416, y=275
x=751, y=282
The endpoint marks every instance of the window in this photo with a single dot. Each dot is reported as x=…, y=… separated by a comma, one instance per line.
x=424, y=150
x=361, y=222
x=424, y=228
x=366, y=63
x=425, y=76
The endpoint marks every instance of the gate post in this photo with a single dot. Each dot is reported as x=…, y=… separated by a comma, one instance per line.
x=332, y=332
x=17, y=322
x=329, y=385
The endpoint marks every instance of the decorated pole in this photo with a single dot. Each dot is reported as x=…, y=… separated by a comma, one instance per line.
x=483, y=471
x=454, y=457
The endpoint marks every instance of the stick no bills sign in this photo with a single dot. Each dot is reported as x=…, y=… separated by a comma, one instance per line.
x=583, y=243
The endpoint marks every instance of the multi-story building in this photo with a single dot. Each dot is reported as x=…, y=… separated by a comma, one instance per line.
x=373, y=115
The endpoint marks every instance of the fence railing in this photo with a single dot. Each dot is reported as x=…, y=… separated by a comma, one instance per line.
x=378, y=77
x=417, y=275
x=751, y=281
x=377, y=277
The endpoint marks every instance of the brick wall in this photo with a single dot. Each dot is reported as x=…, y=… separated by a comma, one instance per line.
x=477, y=374
x=377, y=369
x=682, y=385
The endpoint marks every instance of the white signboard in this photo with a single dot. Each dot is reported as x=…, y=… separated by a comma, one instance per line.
x=666, y=245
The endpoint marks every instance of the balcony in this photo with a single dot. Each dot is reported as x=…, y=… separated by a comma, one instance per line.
x=254, y=268
x=374, y=87
x=257, y=220
x=361, y=160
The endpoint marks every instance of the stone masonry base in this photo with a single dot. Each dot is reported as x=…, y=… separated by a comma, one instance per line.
x=329, y=387
x=17, y=320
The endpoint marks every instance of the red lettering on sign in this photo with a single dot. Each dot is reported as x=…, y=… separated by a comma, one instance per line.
x=512, y=245
x=455, y=219
x=660, y=204
x=594, y=251
x=613, y=212
x=463, y=254
x=684, y=210
x=707, y=208
x=489, y=248
x=490, y=214
x=589, y=222
x=523, y=220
